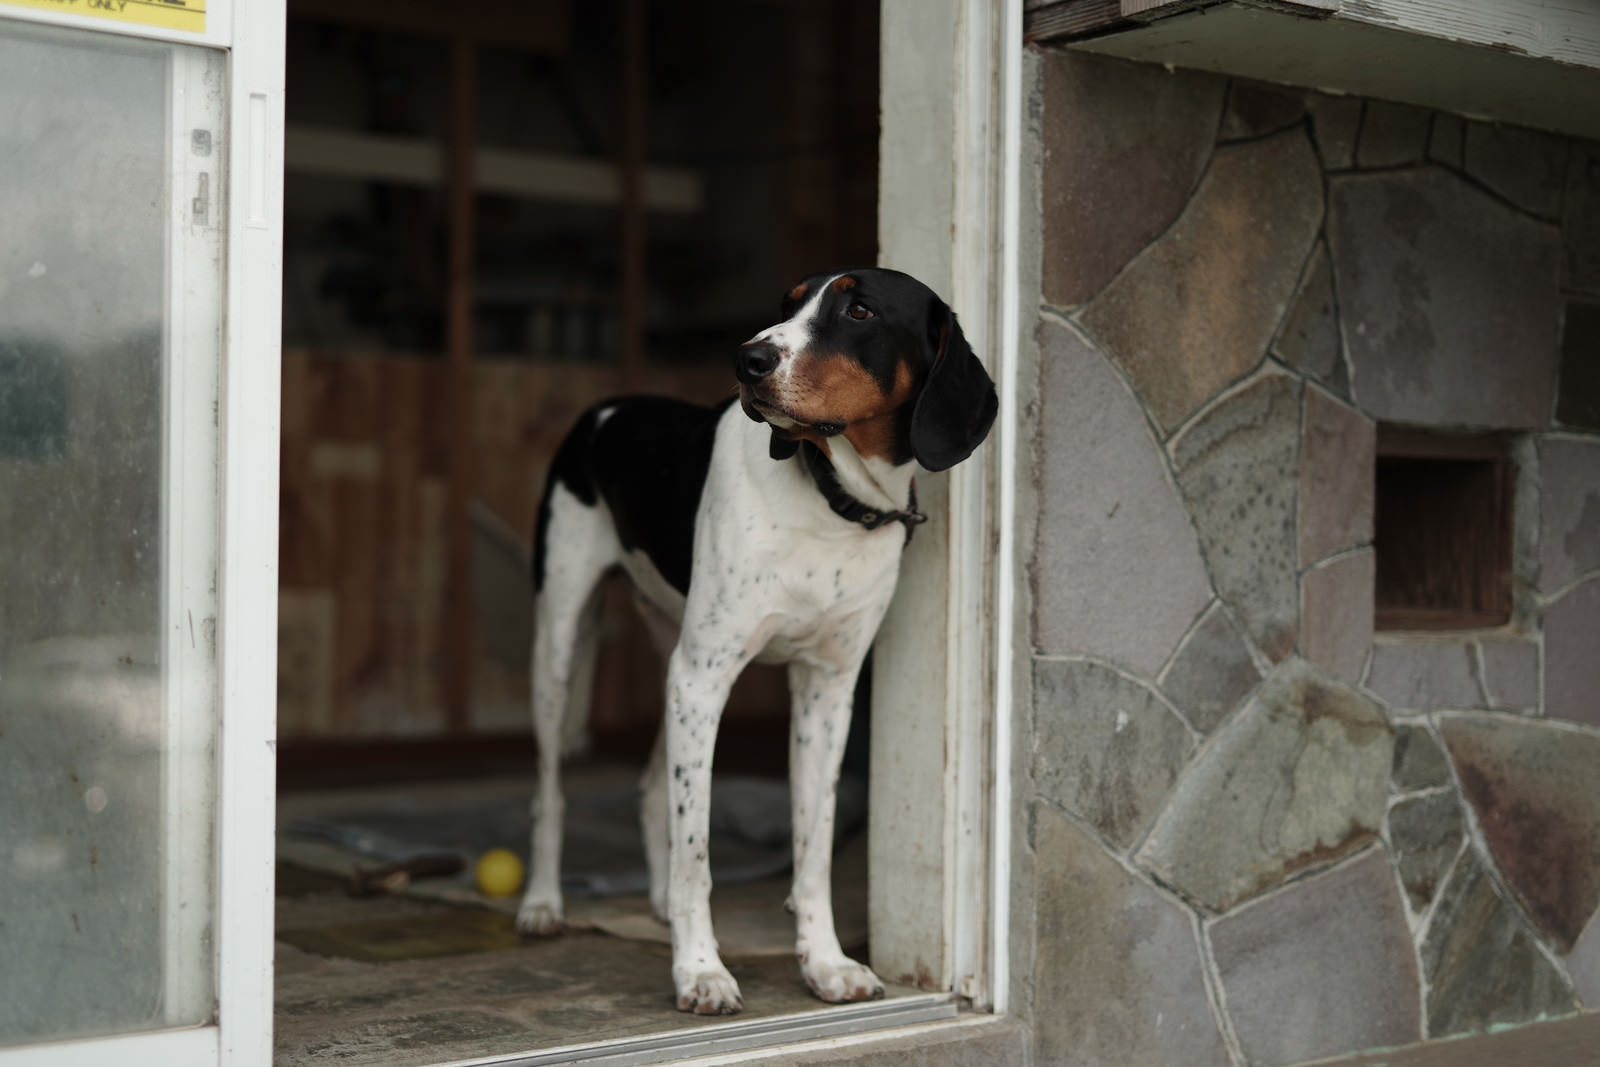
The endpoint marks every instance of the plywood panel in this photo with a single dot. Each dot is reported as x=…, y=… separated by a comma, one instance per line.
x=363, y=546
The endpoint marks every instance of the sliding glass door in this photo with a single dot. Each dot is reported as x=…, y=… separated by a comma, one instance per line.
x=117, y=235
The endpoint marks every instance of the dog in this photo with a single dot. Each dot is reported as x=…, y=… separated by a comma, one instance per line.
x=769, y=531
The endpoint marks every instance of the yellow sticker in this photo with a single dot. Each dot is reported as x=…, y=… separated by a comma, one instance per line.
x=169, y=14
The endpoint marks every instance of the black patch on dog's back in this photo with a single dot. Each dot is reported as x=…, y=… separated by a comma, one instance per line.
x=648, y=461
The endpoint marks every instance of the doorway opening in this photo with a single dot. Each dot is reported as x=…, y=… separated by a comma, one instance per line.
x=495, y=217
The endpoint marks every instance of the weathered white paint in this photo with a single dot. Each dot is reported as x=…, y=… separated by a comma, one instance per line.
x=170, y=1048
x=1367, y=49
x=248, y=625
x=966, y=675
x=1008, y=311
x=909, y=906
x=1564, y=30
x=189, y=533
x=938, y=886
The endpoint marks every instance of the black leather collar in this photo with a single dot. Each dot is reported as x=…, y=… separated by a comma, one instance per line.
x=848, y=507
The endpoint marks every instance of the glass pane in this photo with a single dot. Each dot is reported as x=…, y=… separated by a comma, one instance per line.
x=110, y=208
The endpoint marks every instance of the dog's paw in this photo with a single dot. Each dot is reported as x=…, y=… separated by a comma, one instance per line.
x=539, y=919
x=658, y=908
x=709, y=992
x=841, y=981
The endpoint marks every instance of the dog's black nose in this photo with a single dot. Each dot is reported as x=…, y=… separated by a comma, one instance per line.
x=755, y=361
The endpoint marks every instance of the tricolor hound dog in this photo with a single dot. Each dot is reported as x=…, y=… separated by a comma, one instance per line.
x=772, y=532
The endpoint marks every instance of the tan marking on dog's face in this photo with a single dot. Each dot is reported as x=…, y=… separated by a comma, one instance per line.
x=843, y=282
x=879, y=437
x=798, y=293
x=832, y=388
x=835, y=388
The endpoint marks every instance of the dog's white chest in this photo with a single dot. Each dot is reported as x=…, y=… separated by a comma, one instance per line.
x=825, y=603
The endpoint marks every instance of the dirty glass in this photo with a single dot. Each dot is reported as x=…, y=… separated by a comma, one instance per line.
x=109, y=298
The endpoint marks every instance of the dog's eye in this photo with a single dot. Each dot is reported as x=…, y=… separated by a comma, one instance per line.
x=858, y=312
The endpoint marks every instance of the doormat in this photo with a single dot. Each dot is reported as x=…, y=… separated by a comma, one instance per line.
x=602, y=849
x=449, y=932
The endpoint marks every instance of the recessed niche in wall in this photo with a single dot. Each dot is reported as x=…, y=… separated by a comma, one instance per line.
x=1442, y=530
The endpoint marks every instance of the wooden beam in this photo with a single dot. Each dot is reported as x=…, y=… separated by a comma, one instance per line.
x=456, y=642
x=635, y=58
x=534, y=175
x=1069, y=19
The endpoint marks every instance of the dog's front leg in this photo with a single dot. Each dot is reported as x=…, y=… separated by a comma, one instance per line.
x=700, y=674
x=822, y=697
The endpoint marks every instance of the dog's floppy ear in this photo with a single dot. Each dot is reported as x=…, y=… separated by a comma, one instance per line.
x=957, y=406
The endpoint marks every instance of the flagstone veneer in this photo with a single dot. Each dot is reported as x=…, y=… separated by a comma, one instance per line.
x=1335, y=124
x=1347, y=839
x=1511, y=674
x=1569, y=505
x=1298, y=778
x=1122, y=980
x=1124, y=144
x=1422, y=675
x=1482, y=965
x=1419, y=761
x=1106, y=748
x=1584, y=964
x=1198, y=308
x=1256, y=109
x=1211, y=672
x=1537, y=796
x=1571, y=665
x=1447, y=139
x=1578, y=402
x=1323, y=967
x=1336, y=614
x=1392, y=134
x=1238, y=468
x=1425, y=834
x=1527, y=167
x=1308, y=340
x=1337, y=459
x=1118, y=572
x=1580, y=219
x=1428, y=316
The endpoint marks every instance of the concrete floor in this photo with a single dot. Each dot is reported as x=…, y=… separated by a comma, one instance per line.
x=580, y=988
x=405, y=981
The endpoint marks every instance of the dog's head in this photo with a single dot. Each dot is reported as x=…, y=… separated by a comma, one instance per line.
x=872, y=356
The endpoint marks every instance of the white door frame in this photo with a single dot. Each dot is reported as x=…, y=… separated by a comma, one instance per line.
x=941, y=807
x=248, y=630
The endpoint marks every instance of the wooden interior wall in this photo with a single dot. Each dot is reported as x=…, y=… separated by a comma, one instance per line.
x=374, y=587
x=362, y=561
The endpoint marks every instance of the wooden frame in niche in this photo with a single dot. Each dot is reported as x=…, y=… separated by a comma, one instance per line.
x=1442, y=530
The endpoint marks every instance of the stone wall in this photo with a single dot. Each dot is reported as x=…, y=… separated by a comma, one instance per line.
x=1259, y=832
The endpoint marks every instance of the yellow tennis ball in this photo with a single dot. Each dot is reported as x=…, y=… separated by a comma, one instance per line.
x=499, y=872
